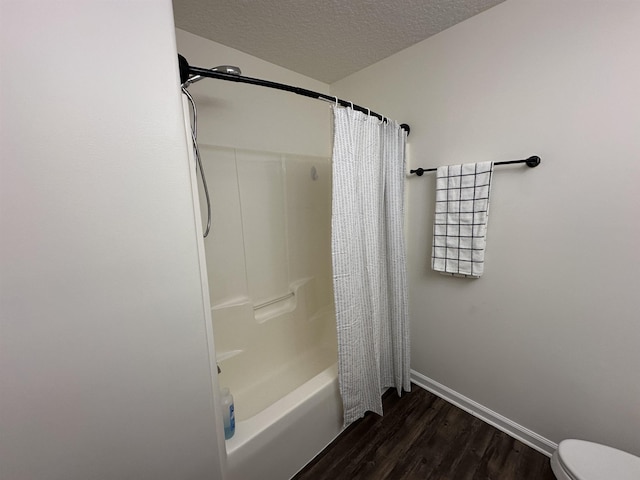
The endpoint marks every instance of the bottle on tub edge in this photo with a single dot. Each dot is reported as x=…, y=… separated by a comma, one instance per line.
x=228, y=414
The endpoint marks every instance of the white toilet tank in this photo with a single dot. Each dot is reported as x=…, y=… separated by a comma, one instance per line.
x=582, y=460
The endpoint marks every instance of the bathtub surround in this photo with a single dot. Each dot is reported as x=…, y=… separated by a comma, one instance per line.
x=271, y=295
x=548, y=338
x=369, y=264
x=272, y=305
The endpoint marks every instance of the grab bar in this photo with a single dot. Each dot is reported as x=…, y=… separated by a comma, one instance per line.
x=271, y=302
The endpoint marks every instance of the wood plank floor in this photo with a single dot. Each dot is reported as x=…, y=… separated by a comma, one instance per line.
x=423, y=437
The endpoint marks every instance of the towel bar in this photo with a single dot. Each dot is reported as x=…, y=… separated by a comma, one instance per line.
x=531, y=162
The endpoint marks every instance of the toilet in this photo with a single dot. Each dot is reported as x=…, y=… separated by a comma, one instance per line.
x=582, y=460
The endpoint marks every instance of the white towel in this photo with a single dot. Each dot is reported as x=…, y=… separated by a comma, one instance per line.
x=460, y=225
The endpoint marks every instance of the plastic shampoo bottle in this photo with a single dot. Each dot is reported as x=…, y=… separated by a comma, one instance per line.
x=228, y=413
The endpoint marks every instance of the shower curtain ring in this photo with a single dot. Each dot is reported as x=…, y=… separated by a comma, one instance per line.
x=336, y=101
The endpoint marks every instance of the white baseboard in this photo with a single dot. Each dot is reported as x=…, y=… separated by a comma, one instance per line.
x=526, y=436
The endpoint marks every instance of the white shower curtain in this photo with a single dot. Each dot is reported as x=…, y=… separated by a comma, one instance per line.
x=369, y=262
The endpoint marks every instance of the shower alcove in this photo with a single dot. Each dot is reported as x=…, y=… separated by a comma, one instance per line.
x=269, y=271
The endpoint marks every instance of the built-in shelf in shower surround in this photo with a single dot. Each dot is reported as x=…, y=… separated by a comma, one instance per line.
x=222, y=356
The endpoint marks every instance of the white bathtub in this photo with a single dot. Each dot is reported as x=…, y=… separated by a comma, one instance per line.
x=282, y=372
x=277, y=442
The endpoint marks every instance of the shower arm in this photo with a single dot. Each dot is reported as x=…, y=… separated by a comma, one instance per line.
x=189, y=75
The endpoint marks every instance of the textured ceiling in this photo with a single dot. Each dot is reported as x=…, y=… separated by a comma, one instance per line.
x=323, y=39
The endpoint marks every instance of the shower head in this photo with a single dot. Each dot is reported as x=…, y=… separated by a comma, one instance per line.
x=230, y=69
x=226, y=69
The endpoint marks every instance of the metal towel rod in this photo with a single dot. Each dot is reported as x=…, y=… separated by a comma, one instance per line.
x=531, y=162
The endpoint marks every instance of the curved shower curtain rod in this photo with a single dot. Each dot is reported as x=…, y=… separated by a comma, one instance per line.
x=186, y=70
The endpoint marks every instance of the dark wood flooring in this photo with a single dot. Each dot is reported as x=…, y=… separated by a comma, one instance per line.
x=423, y=437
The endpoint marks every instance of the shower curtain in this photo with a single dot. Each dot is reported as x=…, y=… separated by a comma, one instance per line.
x=369, y=261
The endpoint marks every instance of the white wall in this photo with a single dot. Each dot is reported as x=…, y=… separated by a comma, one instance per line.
x=550, y=336
x=104, y=353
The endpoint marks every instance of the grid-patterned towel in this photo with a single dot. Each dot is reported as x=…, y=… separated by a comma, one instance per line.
x=462, y=212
